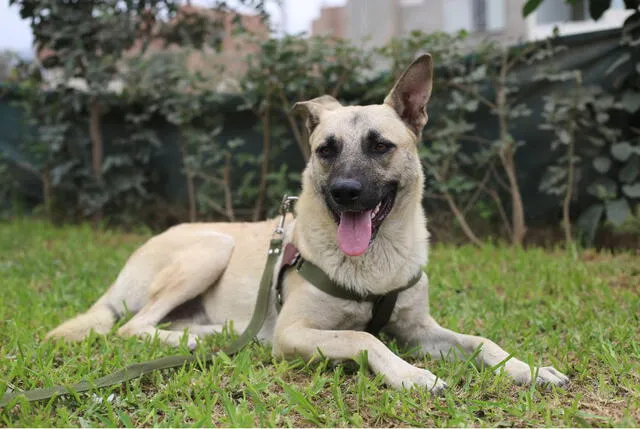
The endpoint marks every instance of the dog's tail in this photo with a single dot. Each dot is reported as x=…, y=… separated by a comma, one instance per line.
x=99, y=318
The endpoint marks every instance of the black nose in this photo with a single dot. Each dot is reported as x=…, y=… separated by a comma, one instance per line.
x=345, y=191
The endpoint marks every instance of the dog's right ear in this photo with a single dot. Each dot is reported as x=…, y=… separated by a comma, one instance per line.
x=313, y=109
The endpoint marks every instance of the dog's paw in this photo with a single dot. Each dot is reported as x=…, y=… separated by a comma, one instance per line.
x=192, y=342
x=550, y=376
x=418, y=378
x=547, y=375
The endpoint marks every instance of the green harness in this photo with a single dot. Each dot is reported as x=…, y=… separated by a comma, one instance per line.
x=383, y=306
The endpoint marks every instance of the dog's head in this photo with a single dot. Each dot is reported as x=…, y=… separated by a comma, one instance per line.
x=364, y=157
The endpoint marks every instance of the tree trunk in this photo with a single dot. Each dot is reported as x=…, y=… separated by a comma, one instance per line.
x=46, y=192
x=518, y=224
x=191, y=187
x=228, y=198
x=566, y=218
x=566, y=204
x=191, y=191
x=507, y=156
x=462, y=220
x=303, y=145
x=95, y=133
x=460, y=216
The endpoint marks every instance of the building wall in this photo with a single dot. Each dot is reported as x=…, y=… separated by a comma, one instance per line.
x=456, y=15
x=221, y=68
x=425, y=16
x=551, y=12
x=515, y=26
x=331, y=22
x=372, y=23
x=380, y=20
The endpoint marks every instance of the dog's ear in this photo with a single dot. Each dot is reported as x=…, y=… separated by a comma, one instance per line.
x=411, y=93
x=313, y=109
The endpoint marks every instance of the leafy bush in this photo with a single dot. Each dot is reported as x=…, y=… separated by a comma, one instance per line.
x=470, y=152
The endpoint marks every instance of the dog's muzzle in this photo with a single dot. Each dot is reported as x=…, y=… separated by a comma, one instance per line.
x=358, y=213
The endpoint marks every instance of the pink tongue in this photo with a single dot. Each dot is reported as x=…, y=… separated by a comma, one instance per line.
x=354, y=232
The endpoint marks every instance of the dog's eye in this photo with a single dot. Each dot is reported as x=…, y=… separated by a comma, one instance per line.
x=326, y=151
x=382, y=147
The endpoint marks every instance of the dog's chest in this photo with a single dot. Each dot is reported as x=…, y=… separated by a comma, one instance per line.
x=320, y=310
x=352, y=315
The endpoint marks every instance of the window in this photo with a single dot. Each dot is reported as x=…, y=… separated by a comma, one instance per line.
x=479, y=14
x=488, y=15
x=457, y=15
x=580, y=11
x=474, y=15
x=496, y=12
x=617, y=4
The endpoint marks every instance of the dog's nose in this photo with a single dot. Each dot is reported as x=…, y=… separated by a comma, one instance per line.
x=345, y=191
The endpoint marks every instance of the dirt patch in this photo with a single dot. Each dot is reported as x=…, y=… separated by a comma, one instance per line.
x=623, y=271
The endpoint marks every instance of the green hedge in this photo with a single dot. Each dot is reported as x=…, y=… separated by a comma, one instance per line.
x=145, y=150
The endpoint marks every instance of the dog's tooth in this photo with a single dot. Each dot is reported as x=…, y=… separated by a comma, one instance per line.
x=376, y=210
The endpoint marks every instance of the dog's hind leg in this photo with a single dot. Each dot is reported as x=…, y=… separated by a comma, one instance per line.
x=99, y=318
x=197, y=329
x=191, y=272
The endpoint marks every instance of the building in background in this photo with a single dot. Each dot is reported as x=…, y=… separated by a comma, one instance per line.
x=374, y=22
x=573, y=19
x=222, y=67
x=331, y=22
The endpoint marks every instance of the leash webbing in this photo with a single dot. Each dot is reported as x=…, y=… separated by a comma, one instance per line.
x=139, y=369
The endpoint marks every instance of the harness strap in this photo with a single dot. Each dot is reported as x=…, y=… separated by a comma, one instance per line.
x=381, y=312
x=139, y=369
x=383, y=305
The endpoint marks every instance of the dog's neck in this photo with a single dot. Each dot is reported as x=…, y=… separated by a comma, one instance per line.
x=397, y=252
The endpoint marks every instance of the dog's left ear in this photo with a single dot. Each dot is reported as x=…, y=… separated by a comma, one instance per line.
x=411, y=93
x=313, y=109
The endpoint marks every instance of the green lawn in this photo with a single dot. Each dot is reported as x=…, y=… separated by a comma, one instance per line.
x=576, y=311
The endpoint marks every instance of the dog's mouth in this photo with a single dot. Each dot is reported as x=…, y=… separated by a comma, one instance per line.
x=358, y=229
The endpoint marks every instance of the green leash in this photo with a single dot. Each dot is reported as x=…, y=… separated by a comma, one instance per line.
x=139, y=369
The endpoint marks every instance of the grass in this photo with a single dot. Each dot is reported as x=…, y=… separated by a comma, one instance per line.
x=577, y=311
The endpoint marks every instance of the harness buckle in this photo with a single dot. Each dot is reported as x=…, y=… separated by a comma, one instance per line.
x=286, y=206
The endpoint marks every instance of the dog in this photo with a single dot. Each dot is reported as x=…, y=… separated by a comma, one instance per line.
x=359, y=218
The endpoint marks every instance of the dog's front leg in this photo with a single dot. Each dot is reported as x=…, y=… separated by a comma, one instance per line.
x=299, y=340
x=440, y=343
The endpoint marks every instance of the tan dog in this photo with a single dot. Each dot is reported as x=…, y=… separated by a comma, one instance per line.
x=359, y=218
